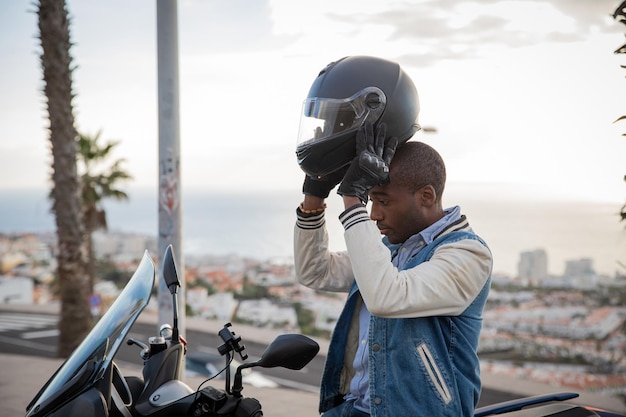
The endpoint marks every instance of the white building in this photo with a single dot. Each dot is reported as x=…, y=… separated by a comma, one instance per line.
x=579, y=268
x=122, y=247
x=16, y=290
x=533, y=265
x=263, y=312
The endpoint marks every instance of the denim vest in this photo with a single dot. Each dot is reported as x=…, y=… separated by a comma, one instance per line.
x=424, y=366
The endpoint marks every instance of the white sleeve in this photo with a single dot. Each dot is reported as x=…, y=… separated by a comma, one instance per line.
x=315, y=266
x=445, y=285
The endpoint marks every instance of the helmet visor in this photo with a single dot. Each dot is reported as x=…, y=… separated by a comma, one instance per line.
x=325, y=118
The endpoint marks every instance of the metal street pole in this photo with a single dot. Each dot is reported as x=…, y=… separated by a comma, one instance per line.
x=170, y=225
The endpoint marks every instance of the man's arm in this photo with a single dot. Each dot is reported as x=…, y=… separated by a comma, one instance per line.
x=445, y=285
x=312, y=202
x=315, y=266
x=349, y=201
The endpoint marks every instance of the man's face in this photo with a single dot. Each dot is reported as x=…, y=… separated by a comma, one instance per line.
x=397, y=211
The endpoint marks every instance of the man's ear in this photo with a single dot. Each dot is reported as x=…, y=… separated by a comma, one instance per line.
x=428, y=195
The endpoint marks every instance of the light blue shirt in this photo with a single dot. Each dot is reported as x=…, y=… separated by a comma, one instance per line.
x=359, y=385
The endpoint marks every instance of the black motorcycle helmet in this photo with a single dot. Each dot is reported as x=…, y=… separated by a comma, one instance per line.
x=343, y=96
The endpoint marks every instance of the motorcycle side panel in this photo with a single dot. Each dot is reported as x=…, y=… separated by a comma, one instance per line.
x=90, y=403
x=552, y=410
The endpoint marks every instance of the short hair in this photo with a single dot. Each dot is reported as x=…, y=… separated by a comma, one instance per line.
x=415, y=165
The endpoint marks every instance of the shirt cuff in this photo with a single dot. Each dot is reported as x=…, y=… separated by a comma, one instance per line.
x=309, y=220
x=353, y=215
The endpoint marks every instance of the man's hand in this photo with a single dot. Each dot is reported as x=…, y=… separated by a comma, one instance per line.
x=321, y=186
x=370, y=167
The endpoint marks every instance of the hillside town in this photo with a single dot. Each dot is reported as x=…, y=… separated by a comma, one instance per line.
x=568, y=331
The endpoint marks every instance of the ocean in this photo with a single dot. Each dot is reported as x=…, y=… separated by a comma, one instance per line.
x=260, y=225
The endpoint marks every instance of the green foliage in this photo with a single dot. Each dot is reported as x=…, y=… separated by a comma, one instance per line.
x=306, y=322
x=108, y=271
x=252, y=292
x=201, y=283
x=99, y=180
x=189, y=310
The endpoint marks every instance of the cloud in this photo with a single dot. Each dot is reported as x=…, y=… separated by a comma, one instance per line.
x=506, y=83
x=448, y=29
x=233, y=26
x=589, y=14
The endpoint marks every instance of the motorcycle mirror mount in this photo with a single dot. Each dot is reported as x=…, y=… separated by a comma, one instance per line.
x=170, y=275
x=170, y=272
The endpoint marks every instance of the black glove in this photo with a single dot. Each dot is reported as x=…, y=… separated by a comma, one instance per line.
x=370, y=167
x=320, y=187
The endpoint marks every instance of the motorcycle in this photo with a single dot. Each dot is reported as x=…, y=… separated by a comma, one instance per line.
x=543, y=406
x=89, y=383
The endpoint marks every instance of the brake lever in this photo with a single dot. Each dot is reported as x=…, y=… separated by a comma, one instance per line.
x=145, y=352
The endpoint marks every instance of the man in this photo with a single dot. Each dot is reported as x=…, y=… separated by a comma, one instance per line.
x=406, y=341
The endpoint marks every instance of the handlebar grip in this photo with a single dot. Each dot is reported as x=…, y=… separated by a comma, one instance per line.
x=249, y=407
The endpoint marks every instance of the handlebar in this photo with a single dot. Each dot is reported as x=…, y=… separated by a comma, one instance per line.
x=145, y=350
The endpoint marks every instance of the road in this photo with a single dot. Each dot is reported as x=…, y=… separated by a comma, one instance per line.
x=36, y=334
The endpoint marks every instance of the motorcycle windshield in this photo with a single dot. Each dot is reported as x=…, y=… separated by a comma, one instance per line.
x=90, y=359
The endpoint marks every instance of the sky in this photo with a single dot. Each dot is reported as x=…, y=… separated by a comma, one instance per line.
x=523, y=94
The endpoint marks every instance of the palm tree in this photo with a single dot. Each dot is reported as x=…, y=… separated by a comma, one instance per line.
x=620, y=15
x=54, y=34
x=97, y=186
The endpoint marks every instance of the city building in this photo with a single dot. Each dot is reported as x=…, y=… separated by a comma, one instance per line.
x=533, y=265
